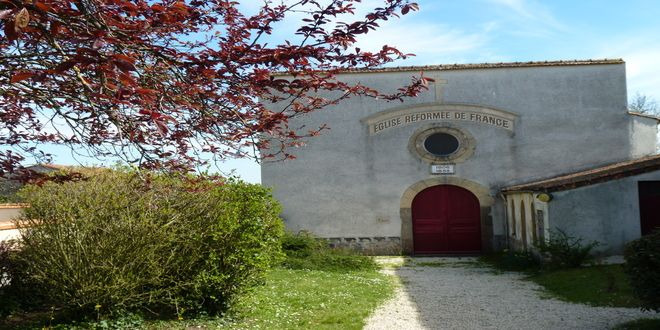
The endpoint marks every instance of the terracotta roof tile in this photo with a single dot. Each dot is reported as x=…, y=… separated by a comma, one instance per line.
x=592, y=176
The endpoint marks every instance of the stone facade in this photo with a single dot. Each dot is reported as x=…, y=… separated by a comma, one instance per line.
x=516, y=123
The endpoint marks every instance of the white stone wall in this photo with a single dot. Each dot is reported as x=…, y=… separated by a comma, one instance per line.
x=523, y=212
x=606, y=212
x=349, y=182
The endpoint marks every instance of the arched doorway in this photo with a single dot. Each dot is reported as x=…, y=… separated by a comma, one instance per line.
x=446, y=219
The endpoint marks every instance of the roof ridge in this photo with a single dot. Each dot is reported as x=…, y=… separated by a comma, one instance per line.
x=485, y=65
x=590, y=176
x=645, y=115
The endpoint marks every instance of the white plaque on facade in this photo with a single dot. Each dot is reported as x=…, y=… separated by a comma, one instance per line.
x=442, y=169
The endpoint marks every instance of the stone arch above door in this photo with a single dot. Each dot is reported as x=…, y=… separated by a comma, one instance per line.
x=482, y=193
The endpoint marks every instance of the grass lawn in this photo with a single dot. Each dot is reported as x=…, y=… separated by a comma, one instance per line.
x=303, y=299
x=314, y=288
x=605, y=285
x=290, y=299
x=309, y=299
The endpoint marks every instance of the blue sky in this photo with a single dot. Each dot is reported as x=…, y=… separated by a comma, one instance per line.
x=475, y=31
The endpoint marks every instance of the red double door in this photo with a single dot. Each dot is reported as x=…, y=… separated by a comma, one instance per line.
x=446, y=220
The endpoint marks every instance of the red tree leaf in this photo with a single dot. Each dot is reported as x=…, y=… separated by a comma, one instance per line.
x=124, y=63
x=10, y=31
x=42, y=6
x=64, y=66
x=20, y=76
x=123, y=58
x=168, y=79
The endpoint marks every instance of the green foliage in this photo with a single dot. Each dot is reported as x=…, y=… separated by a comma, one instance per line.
x=159, y=245
x=512, y=261
x=563, y=251
x=304, y=251
x=643, y=268
x=9, y=302
x=604, y=285
x=303, y=243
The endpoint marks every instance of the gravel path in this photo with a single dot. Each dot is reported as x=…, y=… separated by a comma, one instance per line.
x=452, y=294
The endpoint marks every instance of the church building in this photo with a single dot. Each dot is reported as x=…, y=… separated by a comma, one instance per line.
x=492, y=156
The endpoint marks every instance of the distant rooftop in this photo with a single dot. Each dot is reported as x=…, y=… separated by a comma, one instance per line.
x=592, y=176
x=49, y=165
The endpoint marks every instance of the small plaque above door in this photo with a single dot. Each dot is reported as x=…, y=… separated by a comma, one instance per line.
x=442, y=169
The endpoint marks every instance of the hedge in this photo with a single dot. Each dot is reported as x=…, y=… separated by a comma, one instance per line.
x=157, y=244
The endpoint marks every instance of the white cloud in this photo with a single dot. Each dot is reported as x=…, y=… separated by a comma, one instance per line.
x=428, y=41
x=643, y=70
x=518, y=6
x=431, y=42
x=642, y=54
x=490, y=26
x=532, y=17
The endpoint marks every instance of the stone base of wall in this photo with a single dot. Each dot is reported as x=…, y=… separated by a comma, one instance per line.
x=376, y=246
x=382, y=246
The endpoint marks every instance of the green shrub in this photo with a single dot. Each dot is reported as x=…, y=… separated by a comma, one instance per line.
x=6, y=251
x=7, y=266
x=643, y=268
x=159, y=245
x=563, y=251
x=305, y=251
x=302, y=244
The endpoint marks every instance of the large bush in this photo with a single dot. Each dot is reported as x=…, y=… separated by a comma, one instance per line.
x=643, y=268
x=159, y=244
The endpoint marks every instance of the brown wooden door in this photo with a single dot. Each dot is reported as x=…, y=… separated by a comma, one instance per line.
x=446, y=219
x=649, y=206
